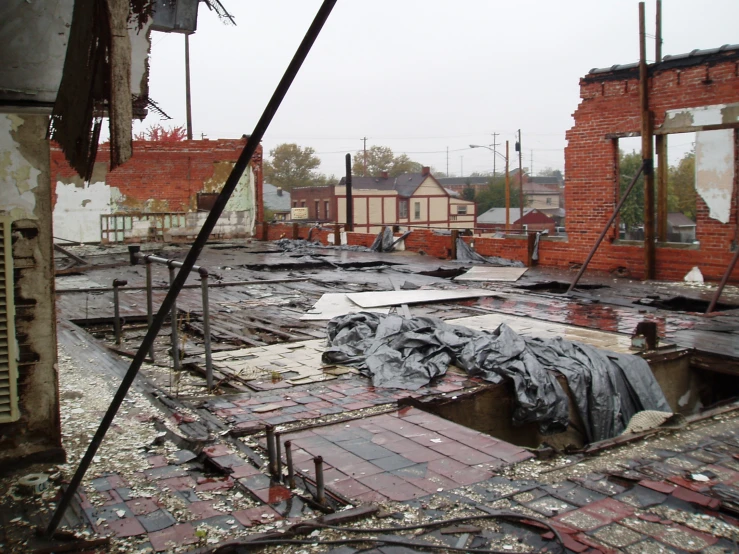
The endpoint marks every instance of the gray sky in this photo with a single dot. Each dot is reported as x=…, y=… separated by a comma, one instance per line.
x=417, y=75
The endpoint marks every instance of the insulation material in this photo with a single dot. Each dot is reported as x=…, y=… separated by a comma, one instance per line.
x=334, y=304
x=397, y=298
x=714, y=171
x=487, y=273
x=398, y=352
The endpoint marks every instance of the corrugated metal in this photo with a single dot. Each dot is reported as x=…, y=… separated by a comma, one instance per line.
x=8, y=364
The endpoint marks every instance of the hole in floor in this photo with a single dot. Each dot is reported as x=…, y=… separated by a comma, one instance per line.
x=683, y=304
x=557, y=287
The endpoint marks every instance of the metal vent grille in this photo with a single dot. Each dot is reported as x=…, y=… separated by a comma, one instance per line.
x=8, y=367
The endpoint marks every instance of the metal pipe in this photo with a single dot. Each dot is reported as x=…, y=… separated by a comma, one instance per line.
x=250, y=148
x=605, y=229
x=320, y=486
x=349, y=198
x=290, y=467
x=211, y=285
x=724, y=280
x=117, y=310
x=164, y=261
x=206, y=329
x=270, y=437
x=647, y=152
x=149, y=304
x=278, y=457
x=173, y=324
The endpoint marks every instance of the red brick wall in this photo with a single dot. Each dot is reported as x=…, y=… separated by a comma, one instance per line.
x=311, y=195
x=610, y=104
x=166, y=176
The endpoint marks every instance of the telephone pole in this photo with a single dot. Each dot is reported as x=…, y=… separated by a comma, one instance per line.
x=519, y=147
x=188, y=105
x=364, y=172
x=495, y=135
x=447, y=161
x=531, y=167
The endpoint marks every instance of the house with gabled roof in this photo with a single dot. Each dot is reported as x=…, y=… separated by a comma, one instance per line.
x=408, y=200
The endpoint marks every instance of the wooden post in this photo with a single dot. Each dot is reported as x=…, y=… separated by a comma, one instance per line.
x=507, y=190
x=349, y=197
x=661, y=188
x=296, y=231
x=646, y=151
x=265, y=230
x=455, y=236
x=337, y=235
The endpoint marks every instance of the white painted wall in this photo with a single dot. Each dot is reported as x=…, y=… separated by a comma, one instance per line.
x=78, y=209
x=18, y=176
x=714, y=171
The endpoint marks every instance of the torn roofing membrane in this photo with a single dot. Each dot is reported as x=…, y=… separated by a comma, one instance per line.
x=406, y=353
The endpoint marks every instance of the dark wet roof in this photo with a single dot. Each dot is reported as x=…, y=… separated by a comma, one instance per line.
x=676, y=219
x=478, y=180
x=406, y=184
x=695, y=57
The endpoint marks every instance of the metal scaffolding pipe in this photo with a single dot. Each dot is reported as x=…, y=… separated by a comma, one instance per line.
x=229, y=186
x=173, y=325
x=117, y=309
x=149, y=304
x=206, y=329
x=289, y=462
x=269, y=432
x=320, y=486
x=219, y=284
x=278, y=457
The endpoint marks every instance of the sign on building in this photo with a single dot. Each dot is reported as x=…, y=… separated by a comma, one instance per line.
x=298, y=213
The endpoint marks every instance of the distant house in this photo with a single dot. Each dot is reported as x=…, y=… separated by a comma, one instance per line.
x=277, y=201
x=411, y=199
x=458, y=184
x=532, y=220
x=680, y=228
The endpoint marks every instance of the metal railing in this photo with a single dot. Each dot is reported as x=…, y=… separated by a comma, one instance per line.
x=113, y=226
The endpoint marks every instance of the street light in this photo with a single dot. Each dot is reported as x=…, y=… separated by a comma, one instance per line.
x=507, y=177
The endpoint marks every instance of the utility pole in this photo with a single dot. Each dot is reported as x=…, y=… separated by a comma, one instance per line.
x=519, y=148
x=447, y=161
x=646, y=151
x=364, y=173
x=187, y=87
x=507, y=191
x=495, y=135
x=461, y=166
x=531, y=167
x=661, y=146
x=658, y=34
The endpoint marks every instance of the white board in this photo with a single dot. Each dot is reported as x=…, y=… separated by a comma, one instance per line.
x=334, y=304
x=487, y=273
x=396, y=298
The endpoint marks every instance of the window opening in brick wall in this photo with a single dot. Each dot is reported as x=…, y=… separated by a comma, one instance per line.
x=326, y=211
x=318, y=209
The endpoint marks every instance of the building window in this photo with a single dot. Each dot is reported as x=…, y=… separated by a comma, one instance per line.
x=549, y=201
x=302, y=203
x=403, y=209
x=461, y=210
x=295, y=203
x=318, y=210
x=326, y=211
x=417, y=210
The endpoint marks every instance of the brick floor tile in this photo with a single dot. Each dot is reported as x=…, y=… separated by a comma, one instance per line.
x=659, y=486
x=157, y=461
x=393, y=462
x=350, y=488
x=165, y=472
x=215, y=484
x=617, y=535
x=581, y=520
x=470, y=475
x=203, y=509
x=402, y=492
x=256, y=515
x=371, y=497
x=156, y=521
x=142, y=506
x=126, y=527
x=446, y=466
x=432, y=482
x=177, y=483
x=421, y=454
x=168, y=539
x=609, y=508
x=696, y=498
x=364, y=469
x=686, y=539
x=244, y=471
x=274, y=494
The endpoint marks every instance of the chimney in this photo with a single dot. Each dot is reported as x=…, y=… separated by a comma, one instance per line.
x=384, y=175
x=425, y=171
x=279, y=191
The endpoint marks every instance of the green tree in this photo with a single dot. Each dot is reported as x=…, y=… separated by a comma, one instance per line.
x=382, y=158
x=494, y=195
x=468, y=192
x=681, y=186
x=632, y=212
x=292, y=166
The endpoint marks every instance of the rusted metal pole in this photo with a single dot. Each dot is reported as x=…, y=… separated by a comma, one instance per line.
x=646, y=151
x=149, y=304
x=349, y=198
x=270, y=437
x=229, y=186
x=605, y=229
x=290, y=467
x=117, y=309
x=724, y=280
x=278, y=457
x=206, y=329
x=320, y=486
x=507, y=190
x=173, y=325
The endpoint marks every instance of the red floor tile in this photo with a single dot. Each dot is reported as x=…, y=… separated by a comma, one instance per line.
x=177, y=535
x=349, y=488
x=274, y=494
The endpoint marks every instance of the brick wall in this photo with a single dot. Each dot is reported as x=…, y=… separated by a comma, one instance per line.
x=311, y=195
x=610, y=105
x=160, y=177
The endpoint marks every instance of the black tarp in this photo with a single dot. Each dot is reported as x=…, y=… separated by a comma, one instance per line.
x=396, y=352
x=466, y=254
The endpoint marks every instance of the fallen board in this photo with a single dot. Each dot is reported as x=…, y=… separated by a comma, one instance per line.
x=397, y=298
x=487, y=273
x=335, y=304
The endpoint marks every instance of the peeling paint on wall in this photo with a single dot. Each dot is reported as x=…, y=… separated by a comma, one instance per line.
x=714, y=171
x=683, y=119
x=77, y=210
x=18, y=176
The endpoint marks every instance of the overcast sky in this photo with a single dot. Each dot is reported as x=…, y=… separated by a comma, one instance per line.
x=419, y=76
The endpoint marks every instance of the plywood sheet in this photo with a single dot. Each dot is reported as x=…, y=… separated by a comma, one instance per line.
x=334, y=304
x=488, y=273
x=396, y=298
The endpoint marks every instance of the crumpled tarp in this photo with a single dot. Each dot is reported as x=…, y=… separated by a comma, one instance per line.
x=397, y=352
x=466, y=254
x=384, y=242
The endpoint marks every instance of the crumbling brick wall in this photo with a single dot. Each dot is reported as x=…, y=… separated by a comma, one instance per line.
x=610, y=106
x=160, y=177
